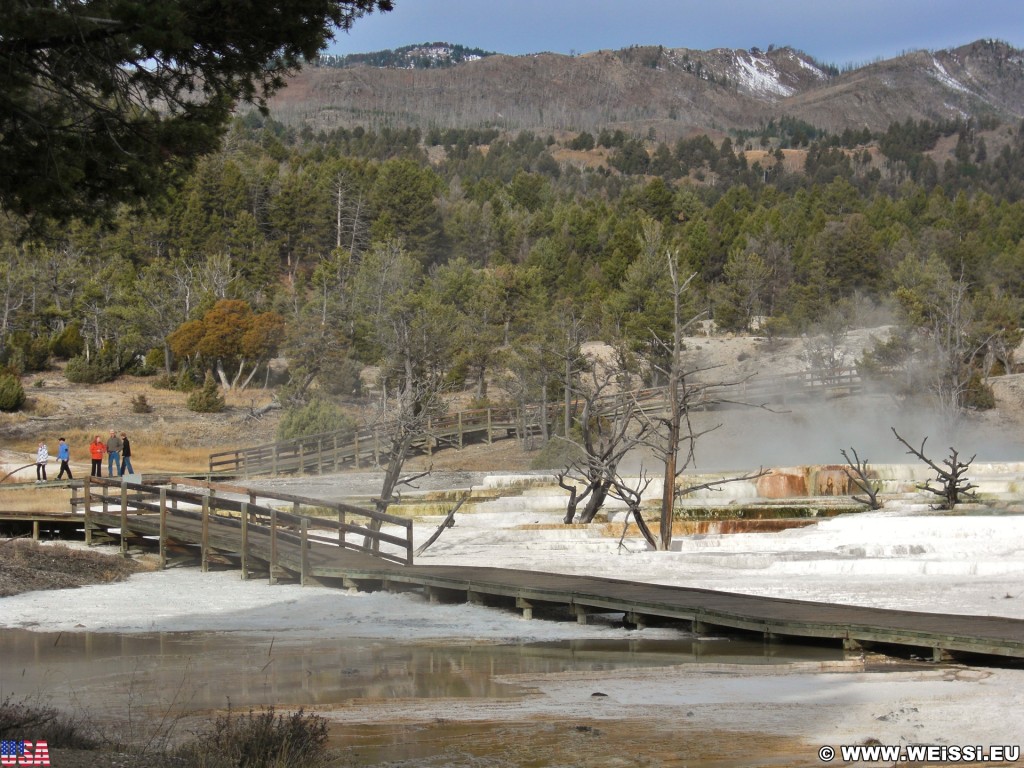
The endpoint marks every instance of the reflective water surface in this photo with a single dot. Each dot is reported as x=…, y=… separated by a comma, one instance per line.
x=187, y=671
x=112, y=678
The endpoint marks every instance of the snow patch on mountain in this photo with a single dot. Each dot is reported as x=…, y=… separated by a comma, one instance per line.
x=946, y=79
x=758, y=75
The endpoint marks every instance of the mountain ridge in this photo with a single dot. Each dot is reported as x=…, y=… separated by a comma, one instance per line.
x=664, y=92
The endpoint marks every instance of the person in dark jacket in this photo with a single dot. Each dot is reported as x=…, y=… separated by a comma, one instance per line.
x=126, y=455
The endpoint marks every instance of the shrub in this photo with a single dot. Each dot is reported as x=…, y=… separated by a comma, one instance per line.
x=261, y=739
x=141, y=405
x=208, y=399
x=82, y=370
x=12, y=394
x=155, y=359
x=18, y=718
x=978, y=395
x=69, y=342
x=185, y=382
x=26, y=354
x=316, y=416
x=342, y=378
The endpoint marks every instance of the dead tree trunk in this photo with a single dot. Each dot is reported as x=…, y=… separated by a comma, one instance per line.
x=858, y=473
x=953, y=478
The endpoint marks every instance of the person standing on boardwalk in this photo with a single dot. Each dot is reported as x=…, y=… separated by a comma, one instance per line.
x=42, y=456
x=113, y=453
x=96, y=449
x=64, y=456
x=126, y=455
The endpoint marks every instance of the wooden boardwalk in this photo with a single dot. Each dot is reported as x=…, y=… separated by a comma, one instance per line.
x=367, y=446
x=216, y=523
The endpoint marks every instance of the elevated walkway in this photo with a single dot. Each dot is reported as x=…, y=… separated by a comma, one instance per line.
x=339, y=545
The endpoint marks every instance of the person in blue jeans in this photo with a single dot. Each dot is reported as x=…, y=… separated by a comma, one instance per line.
x=126, y=456
x=64, y=456
x=113, y=453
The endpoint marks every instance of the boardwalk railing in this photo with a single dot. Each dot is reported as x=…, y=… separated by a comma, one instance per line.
x=368, y=447
x=239, y=521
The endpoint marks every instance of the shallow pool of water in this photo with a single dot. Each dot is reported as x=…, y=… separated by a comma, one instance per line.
x=110, y=675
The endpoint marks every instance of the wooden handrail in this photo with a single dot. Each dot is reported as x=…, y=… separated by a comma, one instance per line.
x=309, y=453
x=211, y=509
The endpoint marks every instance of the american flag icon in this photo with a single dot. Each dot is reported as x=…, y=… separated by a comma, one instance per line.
x=22, y=753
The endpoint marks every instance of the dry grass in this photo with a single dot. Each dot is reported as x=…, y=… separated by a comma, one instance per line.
x=26, y=566
x=169, y=439
x=42, y=500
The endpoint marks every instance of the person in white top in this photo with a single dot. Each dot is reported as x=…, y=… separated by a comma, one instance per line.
x=42, y=456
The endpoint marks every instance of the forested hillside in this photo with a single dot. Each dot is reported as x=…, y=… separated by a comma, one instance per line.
x=477, y=257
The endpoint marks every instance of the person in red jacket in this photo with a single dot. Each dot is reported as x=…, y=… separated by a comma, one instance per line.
x=96, y=448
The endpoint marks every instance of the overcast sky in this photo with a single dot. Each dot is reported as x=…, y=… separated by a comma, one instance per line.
x=832, y=31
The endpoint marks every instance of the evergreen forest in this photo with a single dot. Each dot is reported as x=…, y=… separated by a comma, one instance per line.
x=483, y=257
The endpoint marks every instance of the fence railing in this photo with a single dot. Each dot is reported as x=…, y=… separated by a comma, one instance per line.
x=368, y=447
x=220, y=512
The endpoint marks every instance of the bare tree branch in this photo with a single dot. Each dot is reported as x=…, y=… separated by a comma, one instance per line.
x=857, y=472
x=954, y=483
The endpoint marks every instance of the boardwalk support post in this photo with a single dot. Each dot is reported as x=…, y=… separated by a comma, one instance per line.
x=526, y=606
x=581, y=614
x=638, y=620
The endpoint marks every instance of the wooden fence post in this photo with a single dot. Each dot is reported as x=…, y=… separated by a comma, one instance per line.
x=124, y=518
x=87, y=511
x=163, y=528
x=245, y=541
x=304, y=551
x=489, y=438
x=204, y=541
x=273, y=546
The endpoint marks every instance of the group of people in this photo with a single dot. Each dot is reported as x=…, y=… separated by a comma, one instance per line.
x=117, y=448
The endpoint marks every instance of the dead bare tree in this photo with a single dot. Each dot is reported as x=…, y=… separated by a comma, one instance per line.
x=954, y=483
x=860, y=476
x=672, y=434
x=413, y=331
x=632, y=496
x=608, y=430
x=448, y=522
